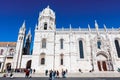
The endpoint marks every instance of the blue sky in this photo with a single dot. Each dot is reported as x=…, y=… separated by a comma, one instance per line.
x=74, y=12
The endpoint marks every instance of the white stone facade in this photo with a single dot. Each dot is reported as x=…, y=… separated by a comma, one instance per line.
x=7, y=51
x=97, y=59
x=85, y=50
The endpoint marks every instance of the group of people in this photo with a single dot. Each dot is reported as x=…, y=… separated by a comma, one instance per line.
x=55, y=74
x=52, y=73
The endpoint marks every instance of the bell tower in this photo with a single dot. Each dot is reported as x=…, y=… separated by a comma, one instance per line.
x=19, y=47
x=46, y=20
x=44, y=46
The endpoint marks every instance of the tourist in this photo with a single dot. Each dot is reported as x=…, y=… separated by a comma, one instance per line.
x=27, y=72
x=11, y=75
x=46, y=72
x=51, y=75
x=54, y=74
x=34, y=71
x=57, y=74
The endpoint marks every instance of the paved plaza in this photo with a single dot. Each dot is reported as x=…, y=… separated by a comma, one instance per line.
x=69, y=78
x=83, y=76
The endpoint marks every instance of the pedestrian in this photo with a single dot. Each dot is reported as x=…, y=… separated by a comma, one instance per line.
x=64, y=74
x=57, y=74
x=27, y=72
x=51, y=75
x=11, y=75
x=54, y=74
x=46, y=72
x=30, y=72
x=34, y=71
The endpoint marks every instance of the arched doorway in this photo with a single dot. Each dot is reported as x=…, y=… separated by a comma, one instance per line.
x=42, y=59
x=8, y=67
x=102, y=62
x=28, y=65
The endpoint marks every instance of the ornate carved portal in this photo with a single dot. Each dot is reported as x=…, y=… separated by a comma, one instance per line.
x=102, y=61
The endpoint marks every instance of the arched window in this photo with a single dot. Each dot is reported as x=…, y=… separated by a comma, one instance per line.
x=1, y=52
x=61, y=43
x=0, y=65
x=81, y=49
x=11, y=51
x=98, y=44
x=43, y=43
x=61, y=59
x=45, y=26
x=117, y=47
x=42, y=59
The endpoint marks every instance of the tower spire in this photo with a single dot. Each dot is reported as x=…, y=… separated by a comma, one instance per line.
x=89, y=27
x=62, y=28
x=105, y=27
x=79, y=28
x=23, y=25
x=96, y=25
x=48, y=6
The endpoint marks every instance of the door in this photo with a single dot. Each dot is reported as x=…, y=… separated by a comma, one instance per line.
x=99, y=65
x=104, y=66
x=28, y=65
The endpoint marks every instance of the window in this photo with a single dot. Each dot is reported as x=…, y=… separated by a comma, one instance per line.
x=19, y=38
x=81, y=49
x=0, y=65
x=1, y=52
x=11, y=51
x=44, y=43
x=42, y=59
x=61, y=59
x=61, y=43
x=117, y=48
x=45, y=26
x=98, y=44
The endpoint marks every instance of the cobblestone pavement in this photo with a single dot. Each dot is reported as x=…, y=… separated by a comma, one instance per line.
x=46, y=78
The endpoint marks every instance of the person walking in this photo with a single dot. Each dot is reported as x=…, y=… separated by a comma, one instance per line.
x=46, y=72
x=11, y=75
x=51, y=75
x=27, y=72
x=57, y=74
